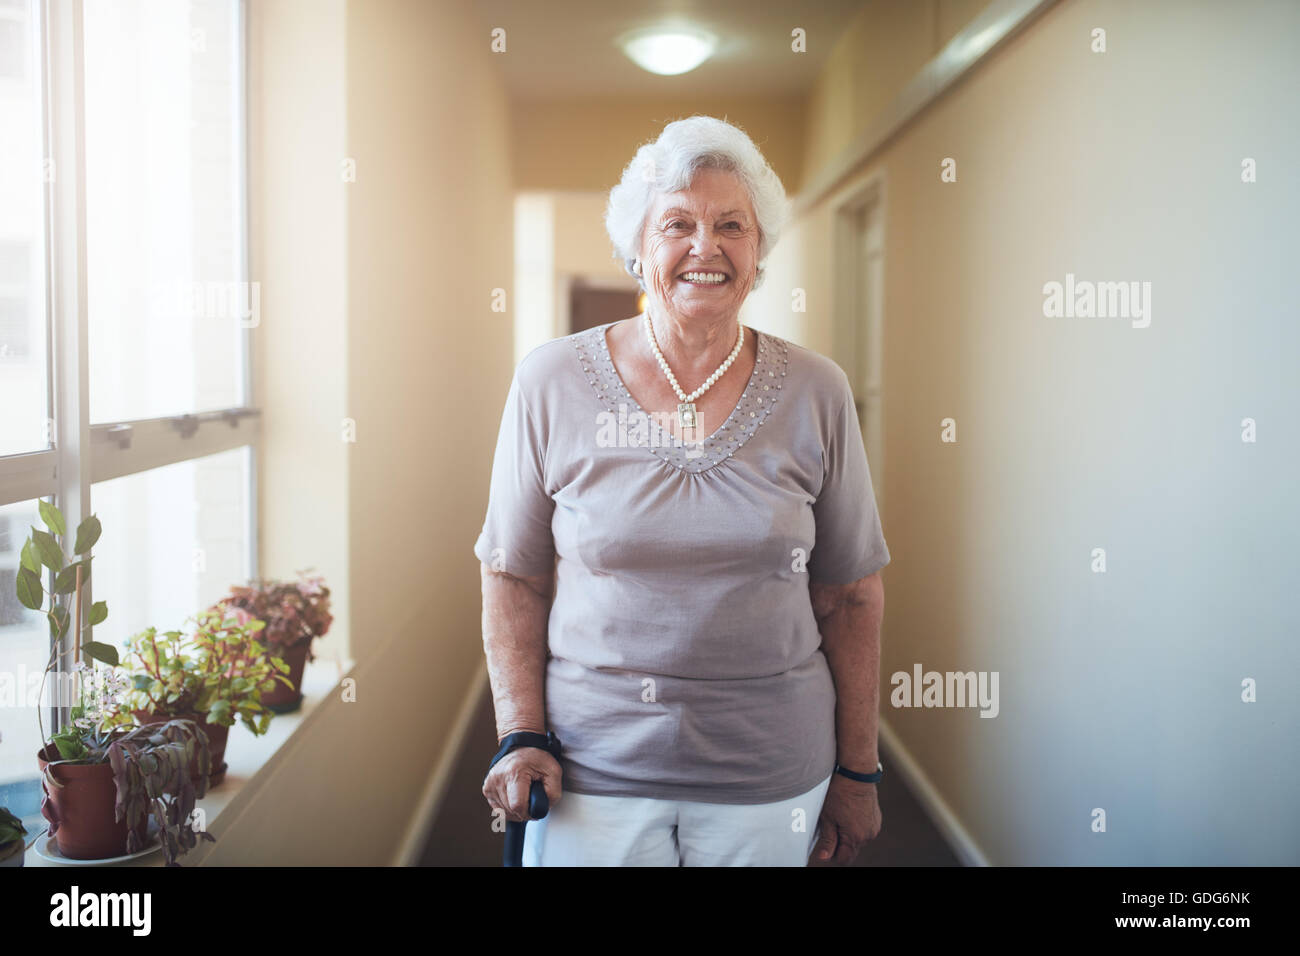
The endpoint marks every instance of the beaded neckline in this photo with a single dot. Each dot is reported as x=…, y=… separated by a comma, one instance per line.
x=756, y=402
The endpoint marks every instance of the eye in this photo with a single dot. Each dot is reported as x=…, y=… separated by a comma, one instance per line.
x=675, y=224
x=733, y=225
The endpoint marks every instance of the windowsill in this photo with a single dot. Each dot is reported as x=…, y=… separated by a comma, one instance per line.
x=245, y=756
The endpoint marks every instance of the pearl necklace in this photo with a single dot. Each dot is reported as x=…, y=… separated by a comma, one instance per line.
x=686, y=416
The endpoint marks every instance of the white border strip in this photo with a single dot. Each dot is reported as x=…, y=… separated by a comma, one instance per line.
x=940, y=814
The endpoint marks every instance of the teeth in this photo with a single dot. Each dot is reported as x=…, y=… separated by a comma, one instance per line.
x=704, y=277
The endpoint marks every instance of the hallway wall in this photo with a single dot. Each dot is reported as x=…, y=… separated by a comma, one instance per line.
x=298, y=255
x=885, y=46
x=423, y=375
x=585, y=144
x=1118, y=690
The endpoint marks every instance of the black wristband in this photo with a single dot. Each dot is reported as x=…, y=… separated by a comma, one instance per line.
x=527, y=738
x=862, y=777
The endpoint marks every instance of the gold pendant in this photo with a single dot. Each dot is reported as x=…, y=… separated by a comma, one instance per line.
x=686, y=415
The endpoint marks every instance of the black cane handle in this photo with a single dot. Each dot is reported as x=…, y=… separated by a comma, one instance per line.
x=538, y=806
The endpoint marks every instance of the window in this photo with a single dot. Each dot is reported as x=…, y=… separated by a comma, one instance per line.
x=24, y=649
x=23, y=361
x=164, y=216
x=123, y=246
x=15, y=41
x=175, y=539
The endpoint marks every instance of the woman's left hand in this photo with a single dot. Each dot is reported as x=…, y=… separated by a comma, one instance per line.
x=850, y=817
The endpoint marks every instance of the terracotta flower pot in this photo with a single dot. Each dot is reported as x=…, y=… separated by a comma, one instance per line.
x=281, y=699
x=217, y=735
x=81, y=812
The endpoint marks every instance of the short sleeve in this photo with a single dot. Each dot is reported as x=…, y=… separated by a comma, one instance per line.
x=516, y=536
x=849, y=542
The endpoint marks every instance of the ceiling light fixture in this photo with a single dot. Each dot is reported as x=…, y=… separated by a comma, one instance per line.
x=668, y=51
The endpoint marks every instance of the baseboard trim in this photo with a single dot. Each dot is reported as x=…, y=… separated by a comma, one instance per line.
x=935, y=807
x=412, y=846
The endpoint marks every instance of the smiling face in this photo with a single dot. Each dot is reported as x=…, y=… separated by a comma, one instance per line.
x=708, y=232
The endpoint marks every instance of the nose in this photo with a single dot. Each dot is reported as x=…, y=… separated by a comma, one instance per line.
x=704, y=243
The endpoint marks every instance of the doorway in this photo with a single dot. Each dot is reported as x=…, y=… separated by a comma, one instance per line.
x=858, y=327
x=593, y=302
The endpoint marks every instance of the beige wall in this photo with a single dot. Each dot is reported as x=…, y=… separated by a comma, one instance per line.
x=582, y=246
x=298, y=253
x=1118, y=690
x=885, y=46
x=584, y=145
x=406, y=88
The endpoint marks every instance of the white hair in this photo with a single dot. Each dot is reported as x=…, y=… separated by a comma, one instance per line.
x=669, y=164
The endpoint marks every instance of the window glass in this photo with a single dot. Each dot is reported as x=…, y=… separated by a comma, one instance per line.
x=175, y=539
x=24, y=390
x=167, y=304
x=24, y=652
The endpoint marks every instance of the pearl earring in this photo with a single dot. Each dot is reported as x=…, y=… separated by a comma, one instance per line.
x=636, y=266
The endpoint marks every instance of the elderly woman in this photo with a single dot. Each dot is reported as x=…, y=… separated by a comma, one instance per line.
x=681, y=555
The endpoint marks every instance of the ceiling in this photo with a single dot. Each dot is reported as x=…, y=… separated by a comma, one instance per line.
x=565, y=49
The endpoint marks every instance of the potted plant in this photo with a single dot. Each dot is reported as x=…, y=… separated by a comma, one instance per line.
x=296, y=613
x=12, y=844
x=213, y=676
x=101, y=780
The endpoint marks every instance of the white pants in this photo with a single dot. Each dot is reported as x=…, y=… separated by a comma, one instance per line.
x=587, y=830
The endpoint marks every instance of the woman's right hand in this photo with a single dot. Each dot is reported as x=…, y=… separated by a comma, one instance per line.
x=507, y=784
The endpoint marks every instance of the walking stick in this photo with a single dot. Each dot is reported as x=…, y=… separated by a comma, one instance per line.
x=538, y=807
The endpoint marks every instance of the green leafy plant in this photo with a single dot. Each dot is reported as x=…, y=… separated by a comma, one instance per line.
x=150, y=763
x=45, y=549
x=220, y=670
x=12, y=833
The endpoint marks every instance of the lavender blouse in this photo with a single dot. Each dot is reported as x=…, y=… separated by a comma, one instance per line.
x=685, y=659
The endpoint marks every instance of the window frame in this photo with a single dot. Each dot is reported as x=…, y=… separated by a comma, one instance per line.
x=80, y=454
